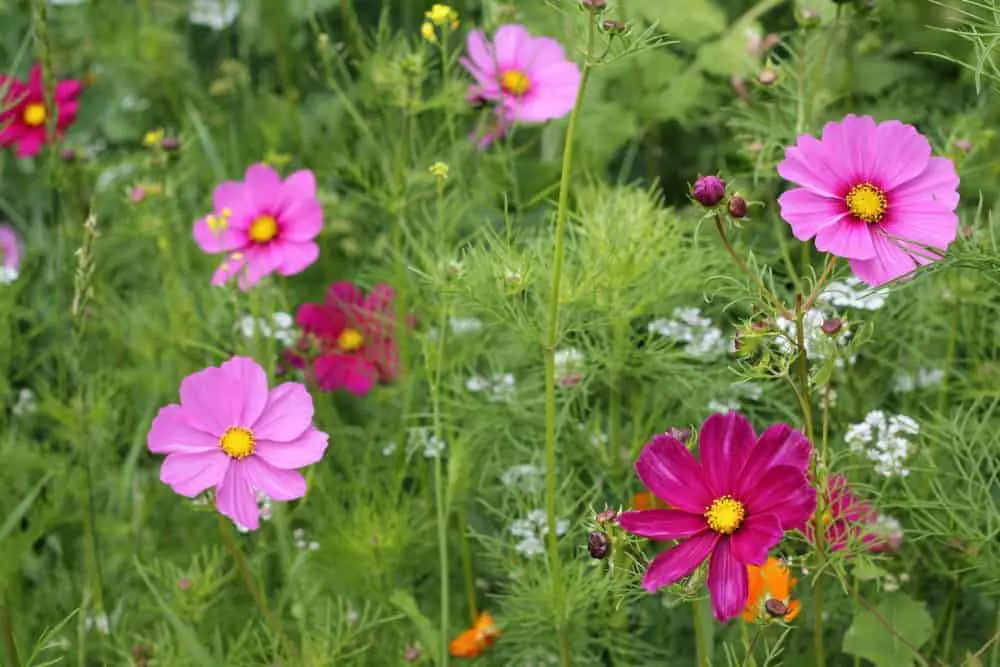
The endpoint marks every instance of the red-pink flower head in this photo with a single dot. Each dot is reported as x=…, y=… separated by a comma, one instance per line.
x=872, y=193
x=23, y=116
x=847, y=518
x=264, y=224
x=731, y=507
x=349, y=338
x=529, y=77
x=230, y=433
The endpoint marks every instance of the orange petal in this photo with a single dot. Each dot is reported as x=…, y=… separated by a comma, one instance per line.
x=469, y=644
x=794, y=607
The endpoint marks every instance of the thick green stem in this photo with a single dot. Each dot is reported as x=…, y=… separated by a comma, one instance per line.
x=440, y=500
x=703, y=648
x=551, y=340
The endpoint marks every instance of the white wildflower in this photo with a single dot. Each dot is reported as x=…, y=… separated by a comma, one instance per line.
x=465, y=325
x=703, y=339
x=723, y=405
x=525, y=478
x=421, y=437
x=98, y=622
x=8, y=274
x=924, y=378
x=885, y=440
x=302, y=543
x=26, y=403
x=389, y=449
x=214, y=14
x=852, y=293
x=498, y=387
x=531, y=529
x=280, y=327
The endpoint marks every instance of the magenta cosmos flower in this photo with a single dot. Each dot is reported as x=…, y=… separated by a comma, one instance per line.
x=873, y=194
x=847, y=518
x=349, y=338
x=529, y=78
x=10, y=253
x=23, y=116
x=731, y=507
x=231, y=434
x=266, y=225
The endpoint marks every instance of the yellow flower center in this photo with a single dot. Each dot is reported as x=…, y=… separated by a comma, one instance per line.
x=866, y=202
x=238, y=442
x=350, y=340
x=263, y=229
x=34, y=114
x=515, y=82
x=725, y=515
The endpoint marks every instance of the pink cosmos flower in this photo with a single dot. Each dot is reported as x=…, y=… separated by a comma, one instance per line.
x=350, y=338
x=528, y=77
x=847, y=518
x=10, y=250
x=873, y=194
x=265, y=225
x=23, y=116
x=731, y=507
x=231, y=434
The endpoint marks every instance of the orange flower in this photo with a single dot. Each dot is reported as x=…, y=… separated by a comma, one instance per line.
x=474, y=641
x=767, y=582
x=644, y=500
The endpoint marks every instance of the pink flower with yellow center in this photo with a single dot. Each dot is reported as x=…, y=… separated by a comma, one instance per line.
x=528, y=77
x=871, y=192
x=264, y=224
x=349, y=339
x=24, y=117
x=730, y=508
x=231, y=434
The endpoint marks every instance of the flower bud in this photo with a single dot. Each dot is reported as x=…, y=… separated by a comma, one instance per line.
x=963, y=145
x=737, y=206
x=776, y=608
x=412, y=653
x=682, y=434
x=709, y=190
x=767, y=76
x=170, y=144
x=832, y=325
x=607, y=516
x=598, y=544
x=593, y=5
x=69, y=155
x=613, y=27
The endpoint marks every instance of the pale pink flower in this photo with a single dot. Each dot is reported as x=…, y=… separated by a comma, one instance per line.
x=528, y=77
x=872, y=193
x=264, y=224
x=231, y=434
x=10, y=248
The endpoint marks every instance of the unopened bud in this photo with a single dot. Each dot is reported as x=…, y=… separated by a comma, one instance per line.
x=776, y=608
x=598, y=544
x=607, y=516
x=613, y=27
x=737, y=206
x=593, y=5
x=767, y=76
x=709, y=190
x=832, y=325
x=963, y=145
x=170, y=144
x=682, y=434
x=69, y=155
x=412, y=653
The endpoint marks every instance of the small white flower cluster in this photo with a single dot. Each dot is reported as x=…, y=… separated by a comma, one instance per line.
x=687, y=325
x=8, y=274
x=569, y=366
x=885, y=440
x=423, y=438
x=300, y=541
x=922, y=379
x=214, y=14
x=266, y=510
x=852, y=293
x=814, y=337
x=498, y=387
x=465, y=325
x=281, y=328
x=525, y=478
x=750, y=391
x=26, y=403
x=98, y=623
x=530, y=531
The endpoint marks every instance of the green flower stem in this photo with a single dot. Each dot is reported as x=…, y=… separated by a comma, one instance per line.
x=467, y=570
x=703, y=648
x=250, y=583
x=440, y=499
x=720, y=226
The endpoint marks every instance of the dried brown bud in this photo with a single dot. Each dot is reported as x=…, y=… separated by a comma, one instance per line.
x=776, y=608
x=737, y=206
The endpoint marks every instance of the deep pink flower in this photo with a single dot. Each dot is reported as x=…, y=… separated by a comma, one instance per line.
x=10, y=249
x=528, y=77
x=23, y=116
x=873, y=194
x=350, y=338
x=265, y=225
x=847, y=518
x=731, y=507
x=231, y=434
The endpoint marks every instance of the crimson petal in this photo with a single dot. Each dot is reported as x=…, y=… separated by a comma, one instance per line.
x=662, y=524
x=727, y=582
x=725, y=442
x=755, y=536
x=669, y=470
x=673, y=564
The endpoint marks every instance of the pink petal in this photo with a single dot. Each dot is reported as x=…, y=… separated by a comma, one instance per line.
x=778, y=486
x=938, y=183
x=235, y=497
x=232, y=195
x=680, y=561
x=287, y=414
x=341, y=371
x=481, y=64
x=228, y=268
x=724, y=443
x=778, y=445
x=549, y=101
x=191, y=474
x=798, y=509
x=662, y=524
x=507, y=42
x=319, y=320
x=262, y=187
x=848, y=238
x=261, y=261
x=210, y=401
x=297, y=257
x=929, y=224
x=668, y=469
x=302, y=220
x=300, y=185
x=808, y=164
x=250, y=381
x=809, y=213
x=344, y=294
x=217, y=240
x=277, y=484
x=891, y=261
x=727, y=582
x=31, y=143
x=755, y=537
x=171, y=433
x=905, y=153
x=68, y=90
x=848, y=146
x=305, y=450
x=538, y=52
x=10, y=247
